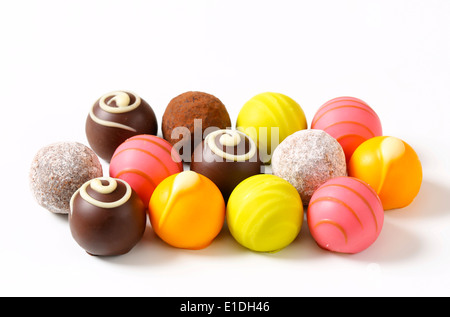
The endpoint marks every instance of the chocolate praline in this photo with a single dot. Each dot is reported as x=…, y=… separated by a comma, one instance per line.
x=115, y=117
x=187, y=118
x=107, y=217
x=226, y=157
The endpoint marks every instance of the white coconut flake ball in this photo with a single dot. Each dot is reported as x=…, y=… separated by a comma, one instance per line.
x=58, y=170
x=307, y=159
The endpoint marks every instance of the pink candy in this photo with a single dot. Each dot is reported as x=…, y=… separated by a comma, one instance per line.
x=345, y=215
x=349, y=120
x=143, y=161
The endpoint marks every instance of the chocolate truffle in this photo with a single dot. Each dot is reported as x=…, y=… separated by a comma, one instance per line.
x=116, y=117
x=307, y=159
x=58, y=170
x=107, y=217
x=226, y=157
x=186, y=118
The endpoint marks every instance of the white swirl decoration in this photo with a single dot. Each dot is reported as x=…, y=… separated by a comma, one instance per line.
x=97, y=185
x=230, y=138
x=122, y=99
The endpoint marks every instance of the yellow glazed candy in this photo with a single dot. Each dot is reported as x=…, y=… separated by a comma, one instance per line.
x=263, y=114
x=187, y=210
x=391, y=167
x=264, y=213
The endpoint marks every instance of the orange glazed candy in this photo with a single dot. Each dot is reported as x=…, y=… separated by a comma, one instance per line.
x=391, y=167
x=187, y=210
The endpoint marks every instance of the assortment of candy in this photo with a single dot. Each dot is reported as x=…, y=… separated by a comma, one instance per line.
x=342, y=171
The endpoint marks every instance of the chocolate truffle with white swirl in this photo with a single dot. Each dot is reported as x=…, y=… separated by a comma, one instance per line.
x=115, y=117
x=107, y=217
x=226, y=157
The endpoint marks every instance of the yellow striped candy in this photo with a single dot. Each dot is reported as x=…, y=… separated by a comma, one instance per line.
x=264, y=213
x=267, y=115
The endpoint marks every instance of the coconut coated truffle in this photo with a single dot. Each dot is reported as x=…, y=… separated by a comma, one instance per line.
x=307, y=159
x=58, y=170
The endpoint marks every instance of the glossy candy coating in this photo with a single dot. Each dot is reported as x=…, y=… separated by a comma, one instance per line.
x=349, y=120
x=115, y=117
x=391, y=167
x=107, y=217
x=187, y=210
x=143, y=161
x=266, y=111
x=264, y=213
x=345, y=215
x=226, y=157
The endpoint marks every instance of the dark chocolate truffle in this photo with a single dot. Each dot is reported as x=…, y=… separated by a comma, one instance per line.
x=186, y=118
x=107, y=217
x=226, y=157
x=116, y=117
x=58, y=170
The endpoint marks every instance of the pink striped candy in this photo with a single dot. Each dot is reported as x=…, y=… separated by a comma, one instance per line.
x=143, y=161
x=349, y=120
x=345, y=215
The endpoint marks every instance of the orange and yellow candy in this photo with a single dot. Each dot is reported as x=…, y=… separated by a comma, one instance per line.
x=391, y=167
x=187, y=210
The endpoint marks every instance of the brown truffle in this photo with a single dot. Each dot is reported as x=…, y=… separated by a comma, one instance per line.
x=58, y=170
x=186, y=118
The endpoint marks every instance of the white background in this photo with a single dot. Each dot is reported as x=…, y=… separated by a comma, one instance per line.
x=58, y=57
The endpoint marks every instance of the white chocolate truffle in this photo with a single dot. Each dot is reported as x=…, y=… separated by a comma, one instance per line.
x=307, y=159
x=58, y=170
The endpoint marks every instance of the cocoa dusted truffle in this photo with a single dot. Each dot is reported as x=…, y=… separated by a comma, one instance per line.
x=58, y=170
x=107, y=217
x=226, y=157
x=186, y=118
x=115, y=117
